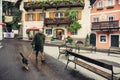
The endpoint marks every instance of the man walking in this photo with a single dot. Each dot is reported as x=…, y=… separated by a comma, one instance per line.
x=39, y=41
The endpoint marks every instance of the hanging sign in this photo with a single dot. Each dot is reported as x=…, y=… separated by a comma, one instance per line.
x=8, y=18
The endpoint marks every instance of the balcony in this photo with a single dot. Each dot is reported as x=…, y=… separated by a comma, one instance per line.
x=51, y=5
x=57, y=21
x=106, y=26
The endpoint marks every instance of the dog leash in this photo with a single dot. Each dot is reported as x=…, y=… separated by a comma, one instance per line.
x=31, y=53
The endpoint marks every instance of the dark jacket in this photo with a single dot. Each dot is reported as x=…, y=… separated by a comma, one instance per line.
x=38, y=41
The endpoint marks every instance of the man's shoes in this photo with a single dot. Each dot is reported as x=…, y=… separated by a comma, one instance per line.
x=43, y=61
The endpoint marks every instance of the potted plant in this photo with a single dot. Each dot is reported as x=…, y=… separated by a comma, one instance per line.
x=69, y=40
x=87, y=40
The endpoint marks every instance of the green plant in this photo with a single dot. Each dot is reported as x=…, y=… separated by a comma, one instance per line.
x=87, y=40
x=16, y=13
x=69, y=40
x=74, y=23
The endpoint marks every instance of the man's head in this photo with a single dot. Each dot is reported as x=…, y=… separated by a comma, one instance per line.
x=40, y=30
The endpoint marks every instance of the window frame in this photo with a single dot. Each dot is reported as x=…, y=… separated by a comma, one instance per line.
x=30, y=17
x=59, y=15
x=75, y=33
x=110, y=3
x=118, y=1
x=34, y=0
x=96, y=19
x=103, y=41
x=108, y=17
x=48, y=31
x=100, y=4
x=42, y=17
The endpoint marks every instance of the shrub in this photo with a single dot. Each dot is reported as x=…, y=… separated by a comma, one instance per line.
x=69, y=40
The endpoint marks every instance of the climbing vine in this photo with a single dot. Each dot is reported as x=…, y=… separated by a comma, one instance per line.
x=16, y=13
x=72, y=14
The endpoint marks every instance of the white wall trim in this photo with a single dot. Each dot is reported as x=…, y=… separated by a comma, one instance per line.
x=105, y=12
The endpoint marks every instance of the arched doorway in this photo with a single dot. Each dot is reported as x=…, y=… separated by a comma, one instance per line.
x=58, y=33
x=93, y=39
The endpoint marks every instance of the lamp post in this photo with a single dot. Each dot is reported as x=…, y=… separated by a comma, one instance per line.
x=1, y=32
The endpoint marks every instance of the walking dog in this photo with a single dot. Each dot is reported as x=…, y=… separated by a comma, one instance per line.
x=24, y=61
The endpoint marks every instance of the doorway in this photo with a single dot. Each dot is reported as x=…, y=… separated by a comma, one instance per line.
x=114, y=40
x=93, y=39
x=59, y=33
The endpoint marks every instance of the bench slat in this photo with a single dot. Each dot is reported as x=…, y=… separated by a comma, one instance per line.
x=104, y=65
x=93, y=69
x=114, y=50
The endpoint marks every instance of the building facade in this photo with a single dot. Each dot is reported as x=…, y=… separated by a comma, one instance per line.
x=105, y=23
x=51, y=17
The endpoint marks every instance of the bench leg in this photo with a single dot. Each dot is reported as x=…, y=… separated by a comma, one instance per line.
x=67, y=64
x=58, y=55
x=112, y=74
x=75, y=65
x=108, y=53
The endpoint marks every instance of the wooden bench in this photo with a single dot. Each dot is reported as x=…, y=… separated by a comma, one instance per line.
x=62, y=49
x=85, y=64
x=113, y=50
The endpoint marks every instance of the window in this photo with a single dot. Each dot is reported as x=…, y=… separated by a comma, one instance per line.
x=30, y=17
x=59, y=15
x=33, y=0
x=95, y=19
x=75, y=33
x=42, y=16
x=103, y=38
x=48, y=31
x=110, y=18
x=100, y=5
x=110, y=3
x=119, y=1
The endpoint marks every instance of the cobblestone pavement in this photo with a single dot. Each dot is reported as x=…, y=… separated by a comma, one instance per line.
x=113, y=59
x=11, y=67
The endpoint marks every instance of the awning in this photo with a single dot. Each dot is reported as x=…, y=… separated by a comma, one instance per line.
x=3, y=24
x=33, y=29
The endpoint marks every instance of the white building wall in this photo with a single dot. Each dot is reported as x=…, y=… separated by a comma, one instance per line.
x=28, y=24
x=85, y=22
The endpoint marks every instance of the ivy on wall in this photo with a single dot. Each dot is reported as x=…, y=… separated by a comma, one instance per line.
x=15, y=12
x=72, y=14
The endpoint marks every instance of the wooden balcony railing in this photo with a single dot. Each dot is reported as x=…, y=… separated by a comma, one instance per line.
x=106, y=25
x=50, y=5
x=57, y=21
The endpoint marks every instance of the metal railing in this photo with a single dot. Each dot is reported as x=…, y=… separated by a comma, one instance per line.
x=106, y=25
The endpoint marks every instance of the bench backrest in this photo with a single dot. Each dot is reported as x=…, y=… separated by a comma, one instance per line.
x=114, y=48
x=104, y=65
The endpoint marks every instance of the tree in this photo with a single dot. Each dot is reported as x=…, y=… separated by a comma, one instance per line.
x=72, y=14
x=16, y=13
